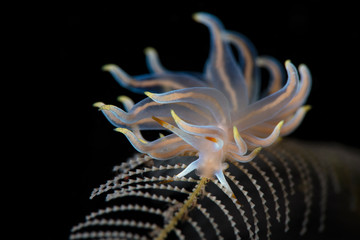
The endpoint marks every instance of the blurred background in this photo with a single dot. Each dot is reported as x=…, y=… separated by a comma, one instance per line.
x=324, y=37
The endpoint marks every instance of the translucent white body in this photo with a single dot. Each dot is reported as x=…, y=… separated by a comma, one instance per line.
x=218, y=114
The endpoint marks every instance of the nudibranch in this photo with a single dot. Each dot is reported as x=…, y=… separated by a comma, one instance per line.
x=220, y=114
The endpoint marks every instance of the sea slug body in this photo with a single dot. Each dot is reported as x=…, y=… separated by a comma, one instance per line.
x=219, y=114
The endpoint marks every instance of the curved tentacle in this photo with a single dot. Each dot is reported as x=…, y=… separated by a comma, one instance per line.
x=269, y=106
x=290, y=123
x=198, y=142
x=240, y=143
x=247, y=55
x=294, y=122
x=139, y=115
x=154, y=82
x=206, y=131
x=303, y=90
x=292, y=113
x=264, y=142
x=221, y=69
x=300, y=96
x=142, y=112
x=276, y=71
x=128, y=105
x=208, y=98
x=161, y=148
x=153, y=61
x=244, y=158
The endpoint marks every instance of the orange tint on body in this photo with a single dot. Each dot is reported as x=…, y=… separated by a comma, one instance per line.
x=212, y=139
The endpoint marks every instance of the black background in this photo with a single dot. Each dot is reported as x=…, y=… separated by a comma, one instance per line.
x=325, y=37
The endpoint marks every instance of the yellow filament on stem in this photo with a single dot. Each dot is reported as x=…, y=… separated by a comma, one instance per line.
x=182, y=211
